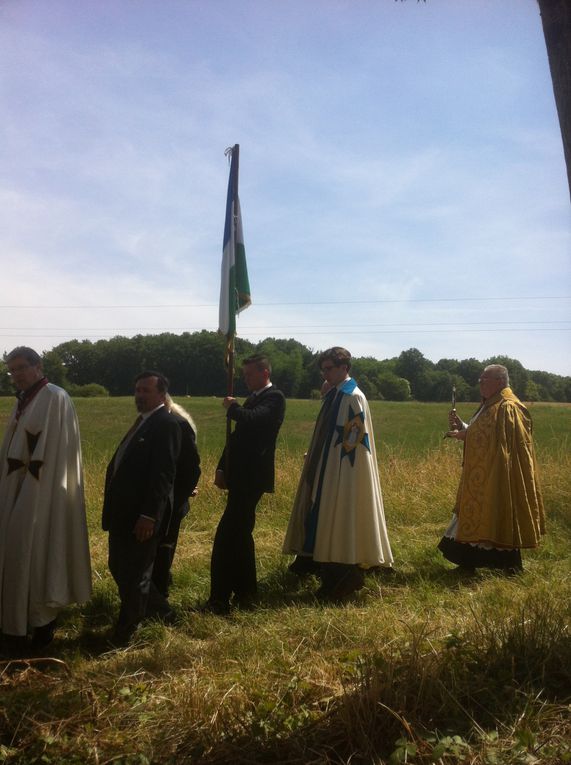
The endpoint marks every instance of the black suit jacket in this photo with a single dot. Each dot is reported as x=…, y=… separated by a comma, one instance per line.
x=144, y=479
x=253, y=441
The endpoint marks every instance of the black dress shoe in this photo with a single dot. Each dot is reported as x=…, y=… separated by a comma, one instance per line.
x=245, y=602
x=304, y=565
x=464, y=570
x=166, y=617
x=43, y=635
x=339, y=581
x=13, y=646
x=218, y=607
x=122, y=635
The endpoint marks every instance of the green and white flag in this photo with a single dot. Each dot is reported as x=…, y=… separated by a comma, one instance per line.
x=234, y=287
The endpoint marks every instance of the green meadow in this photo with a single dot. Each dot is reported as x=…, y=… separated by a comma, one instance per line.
x=423, y=666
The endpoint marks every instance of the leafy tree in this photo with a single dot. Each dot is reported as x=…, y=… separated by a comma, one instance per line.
x=6, y=388
x=54, y=369
x=532, y=391
x=448, y=365
x=312, y=379
x=166, y=352
x=394, y=388
x=81, y=359
x=123, y=363
x=552, y=387
x=434, y=385
x=91, y=390
x=194, y=363
x=414, y=367
x=469, y=370
x=205, y=371
x=369, y=388
x=366, y=371
x=464, y=392
x=286, y=357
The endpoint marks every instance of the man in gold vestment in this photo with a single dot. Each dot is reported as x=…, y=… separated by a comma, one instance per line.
x=499, y=509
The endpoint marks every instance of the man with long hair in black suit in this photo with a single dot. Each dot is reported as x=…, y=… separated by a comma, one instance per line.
x=185, y=482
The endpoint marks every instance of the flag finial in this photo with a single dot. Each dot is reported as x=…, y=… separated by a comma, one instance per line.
x=228, y=152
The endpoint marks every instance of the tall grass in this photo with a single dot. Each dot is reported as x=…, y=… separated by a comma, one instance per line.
x=423, y=666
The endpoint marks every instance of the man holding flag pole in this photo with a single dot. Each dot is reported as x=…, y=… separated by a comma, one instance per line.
x=246, y=467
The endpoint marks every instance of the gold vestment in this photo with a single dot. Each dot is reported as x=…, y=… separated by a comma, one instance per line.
x=499, y=500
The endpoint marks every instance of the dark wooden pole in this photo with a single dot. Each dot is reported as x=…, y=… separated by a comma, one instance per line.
x=556, y=21
x=229, y=392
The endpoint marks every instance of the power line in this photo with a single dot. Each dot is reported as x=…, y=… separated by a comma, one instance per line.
x=299, y=302
x=283, y=327
x=101, y=335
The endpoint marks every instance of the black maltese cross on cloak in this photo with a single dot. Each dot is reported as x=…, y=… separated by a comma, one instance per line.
x=34, y=466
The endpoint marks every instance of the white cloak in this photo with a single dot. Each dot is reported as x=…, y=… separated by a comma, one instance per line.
x=44, y=548
x=338, y=516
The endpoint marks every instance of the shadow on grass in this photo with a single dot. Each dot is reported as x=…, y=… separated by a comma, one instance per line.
x=499, y=688
x=281, y=588
x=86, y=630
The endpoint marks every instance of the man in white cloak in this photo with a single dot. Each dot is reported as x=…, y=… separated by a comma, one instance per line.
x=44, y=550
x=337, y=527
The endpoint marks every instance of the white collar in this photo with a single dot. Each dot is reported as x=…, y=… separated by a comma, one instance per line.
x=257, y=392
x=146, y=415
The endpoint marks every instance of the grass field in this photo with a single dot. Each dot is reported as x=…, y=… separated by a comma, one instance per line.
x=422, y=667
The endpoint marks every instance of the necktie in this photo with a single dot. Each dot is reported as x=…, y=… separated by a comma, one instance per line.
x=132, y=429
x=125, y=442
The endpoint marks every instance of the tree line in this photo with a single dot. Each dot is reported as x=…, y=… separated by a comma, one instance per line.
x=194, y=364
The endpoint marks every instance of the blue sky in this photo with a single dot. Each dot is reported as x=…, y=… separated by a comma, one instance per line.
x=402, y=174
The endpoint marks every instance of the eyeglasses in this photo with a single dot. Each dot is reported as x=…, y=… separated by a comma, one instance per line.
x=483, y=379
x=19, y=368
x=327, y=368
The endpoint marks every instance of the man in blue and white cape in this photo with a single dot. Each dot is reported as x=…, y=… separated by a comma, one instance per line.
x=337, y=527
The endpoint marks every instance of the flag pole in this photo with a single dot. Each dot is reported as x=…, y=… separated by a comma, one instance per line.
x=229, y=392
x=230, y=370
x=234, y=286
x=235, y=159
x=235, y=154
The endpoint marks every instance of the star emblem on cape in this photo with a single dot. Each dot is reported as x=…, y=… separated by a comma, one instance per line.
x=34, y=466
x=351, y=434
